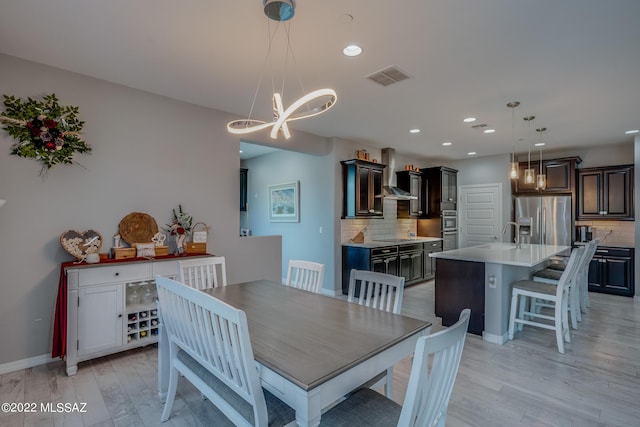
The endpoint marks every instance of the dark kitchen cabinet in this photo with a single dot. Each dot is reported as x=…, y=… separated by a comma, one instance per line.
x=411, y=259
x=383, y=259
x=605, y=193
x=442, y=188
x=410, y=181
x=362, y=189
x=560, y=176
x=243, y=189
x=611, y=271
x=430, y=263
x=459, y=285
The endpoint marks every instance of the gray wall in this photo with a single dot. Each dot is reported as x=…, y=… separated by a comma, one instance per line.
x=300, y=240
x=150, y=153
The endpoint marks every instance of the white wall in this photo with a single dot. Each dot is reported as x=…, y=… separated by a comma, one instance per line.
x=305, y=239
x=150, y=153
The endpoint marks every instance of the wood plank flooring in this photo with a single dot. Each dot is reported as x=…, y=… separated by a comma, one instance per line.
x=525, y=382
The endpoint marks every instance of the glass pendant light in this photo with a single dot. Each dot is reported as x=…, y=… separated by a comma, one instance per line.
x=541, y=180
x=513, y=165
x=529, y=174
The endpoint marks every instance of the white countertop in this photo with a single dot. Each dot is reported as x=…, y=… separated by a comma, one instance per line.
x=504, y=253
x=391, y=242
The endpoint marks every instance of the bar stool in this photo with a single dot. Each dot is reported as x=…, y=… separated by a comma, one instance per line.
x=557, y=295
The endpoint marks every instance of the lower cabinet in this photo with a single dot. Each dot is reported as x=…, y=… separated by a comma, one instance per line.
x=409, y=260
x=611, y=271
x=111, y=307
x=430, y=263
x=411, y=263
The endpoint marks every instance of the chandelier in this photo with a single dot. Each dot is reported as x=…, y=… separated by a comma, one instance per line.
x=309, y=105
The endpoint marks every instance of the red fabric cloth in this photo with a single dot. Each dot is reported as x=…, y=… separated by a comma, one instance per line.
x=59, y=345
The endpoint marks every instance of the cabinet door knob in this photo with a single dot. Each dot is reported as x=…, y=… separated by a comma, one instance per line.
x=117, y=274
x=119, y=316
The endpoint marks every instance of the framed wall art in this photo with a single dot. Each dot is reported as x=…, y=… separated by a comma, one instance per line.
x=284, y=202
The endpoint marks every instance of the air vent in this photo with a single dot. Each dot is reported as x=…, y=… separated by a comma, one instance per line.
x=388, y=76
x=480, y=125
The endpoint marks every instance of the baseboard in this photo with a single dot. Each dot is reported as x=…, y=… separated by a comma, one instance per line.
x=493, y=338
x=636, y=298
x=30, y=362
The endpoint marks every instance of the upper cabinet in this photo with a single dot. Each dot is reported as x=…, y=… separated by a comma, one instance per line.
x=411, y=181
x=362, y=189
x=560, y=176
x=442, y=188
x=605, y=193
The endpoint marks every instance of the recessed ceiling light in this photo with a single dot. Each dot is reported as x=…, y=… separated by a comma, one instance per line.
x=469, y=120
x=539, y=144
x=489, y=130
x=352, y=50
x=630, y=132
x=471, y=153
x=414, y=131
x=446, y=144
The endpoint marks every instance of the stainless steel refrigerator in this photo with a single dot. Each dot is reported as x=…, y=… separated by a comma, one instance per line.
x=551, y=219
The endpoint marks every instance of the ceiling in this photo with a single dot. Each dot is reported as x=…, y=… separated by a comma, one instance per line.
x=574, y=64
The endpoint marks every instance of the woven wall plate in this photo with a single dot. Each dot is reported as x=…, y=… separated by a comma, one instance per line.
x=138, y=227
x=74, y=242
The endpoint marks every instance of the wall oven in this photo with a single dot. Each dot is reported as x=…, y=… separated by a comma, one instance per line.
x=449, y=220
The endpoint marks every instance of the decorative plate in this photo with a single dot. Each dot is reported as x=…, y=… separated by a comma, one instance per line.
x=138, y=227
x=79, y=243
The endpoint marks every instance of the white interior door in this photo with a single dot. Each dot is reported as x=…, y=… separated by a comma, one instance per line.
x=480, y=214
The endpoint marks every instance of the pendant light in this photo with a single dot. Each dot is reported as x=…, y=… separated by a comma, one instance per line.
x=529, y=174
x=513, y=165
x=541, y=180
x=309, y=105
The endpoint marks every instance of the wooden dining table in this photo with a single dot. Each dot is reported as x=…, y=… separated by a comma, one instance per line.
x=311, y=349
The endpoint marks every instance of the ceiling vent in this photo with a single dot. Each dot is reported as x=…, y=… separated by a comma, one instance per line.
x=388, y=76
x=478, y=126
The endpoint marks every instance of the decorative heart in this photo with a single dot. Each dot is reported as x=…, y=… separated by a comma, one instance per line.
x=79, y=244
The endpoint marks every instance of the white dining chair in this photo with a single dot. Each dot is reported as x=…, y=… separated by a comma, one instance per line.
x=433, y=374
x=381, y=291
x=305, y=275
x=557, y=295
x=209, y=345
x=202, y=273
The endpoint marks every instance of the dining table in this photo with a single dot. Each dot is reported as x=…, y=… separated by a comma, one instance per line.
x=311, y=349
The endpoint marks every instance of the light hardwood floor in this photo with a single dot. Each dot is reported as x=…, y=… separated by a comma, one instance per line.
x=525, y=382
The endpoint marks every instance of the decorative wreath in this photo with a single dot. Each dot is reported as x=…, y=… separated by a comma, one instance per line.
x=44, y=130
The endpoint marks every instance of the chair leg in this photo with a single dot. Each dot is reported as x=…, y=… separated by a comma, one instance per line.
x=566, y=332
x=523, y=304
x=171, y=395
x=512, y=314
x=559, y=317
x=574, y=312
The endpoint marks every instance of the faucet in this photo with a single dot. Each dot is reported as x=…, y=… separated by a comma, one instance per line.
x=516, y=239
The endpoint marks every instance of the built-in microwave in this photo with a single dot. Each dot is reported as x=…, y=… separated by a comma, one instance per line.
x=449, y=220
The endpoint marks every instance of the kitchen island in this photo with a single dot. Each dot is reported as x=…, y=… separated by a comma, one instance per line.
x=480, y=278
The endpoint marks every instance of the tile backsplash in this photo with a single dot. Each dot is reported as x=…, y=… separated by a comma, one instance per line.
x=612, y=233
x=389, y=227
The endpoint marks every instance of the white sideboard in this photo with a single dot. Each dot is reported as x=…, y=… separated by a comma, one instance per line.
x=101, y=319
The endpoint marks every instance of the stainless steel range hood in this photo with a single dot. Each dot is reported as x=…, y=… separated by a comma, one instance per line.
x=390, y=190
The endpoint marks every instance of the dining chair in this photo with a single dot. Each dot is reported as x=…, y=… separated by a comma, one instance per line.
x=202, y=273
x=433, y=374
x=305, y=275
x=558, y=295
x=209, y=345
x=381, y=291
